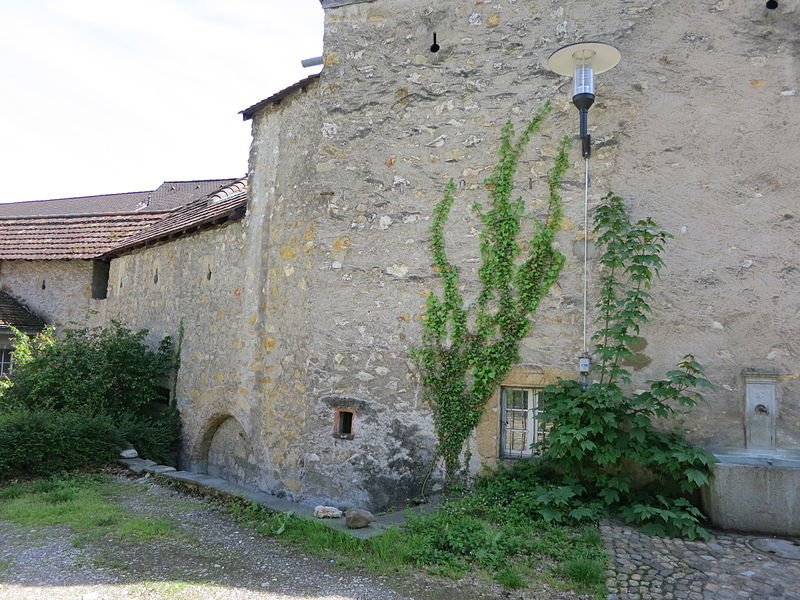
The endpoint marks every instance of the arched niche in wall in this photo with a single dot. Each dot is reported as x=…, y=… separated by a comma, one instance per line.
x=229, y=453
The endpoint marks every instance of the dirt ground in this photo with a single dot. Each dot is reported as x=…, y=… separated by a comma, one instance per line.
x=208, y=556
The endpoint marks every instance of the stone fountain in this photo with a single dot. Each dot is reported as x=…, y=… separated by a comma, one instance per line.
x=757, y=488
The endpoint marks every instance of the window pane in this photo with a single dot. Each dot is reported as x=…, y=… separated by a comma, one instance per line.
x=519, y=429
x=519, y=420
x=519, y=440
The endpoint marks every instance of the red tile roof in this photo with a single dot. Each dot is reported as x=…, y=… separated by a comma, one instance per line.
x=227, y=204
x=69, y=236
x=93, y=236
x=15, y=314
x=248, y=113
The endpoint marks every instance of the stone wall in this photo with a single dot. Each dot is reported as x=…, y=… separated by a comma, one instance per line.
x=59, y=291
x=390, y=122
x=205, y=283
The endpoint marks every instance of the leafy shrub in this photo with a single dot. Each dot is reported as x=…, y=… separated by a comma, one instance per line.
x=601, y=436
x=106, y=376
x=46, y=441
x=101, y=370
x=153, y=437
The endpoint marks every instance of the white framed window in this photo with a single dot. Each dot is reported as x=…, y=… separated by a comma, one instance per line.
x=5, y=361
x=519, y=428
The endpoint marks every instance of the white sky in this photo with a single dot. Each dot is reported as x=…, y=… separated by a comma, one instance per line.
x=104, y=96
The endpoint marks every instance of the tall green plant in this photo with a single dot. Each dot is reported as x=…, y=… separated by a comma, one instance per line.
x=603, y=439
x=468, y=349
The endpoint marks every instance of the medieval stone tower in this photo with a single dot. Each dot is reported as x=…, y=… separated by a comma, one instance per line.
x=304, y=385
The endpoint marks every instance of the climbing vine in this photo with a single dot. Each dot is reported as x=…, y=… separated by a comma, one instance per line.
x=467, y=349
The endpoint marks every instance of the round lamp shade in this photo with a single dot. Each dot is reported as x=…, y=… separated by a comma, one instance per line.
x=602, y=57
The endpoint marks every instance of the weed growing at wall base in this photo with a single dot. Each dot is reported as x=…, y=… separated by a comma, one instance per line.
x=601, y=437
x=486, y=532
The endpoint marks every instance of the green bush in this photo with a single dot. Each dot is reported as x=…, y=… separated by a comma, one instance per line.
x=101, y=370
x=603, y=442
x=104, y=376
x=45, y=441
x=156, y=437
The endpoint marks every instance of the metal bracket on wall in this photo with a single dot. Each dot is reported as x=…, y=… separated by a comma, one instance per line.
x=338, y=3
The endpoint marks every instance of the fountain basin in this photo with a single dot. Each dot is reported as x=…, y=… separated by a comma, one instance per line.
x=755, y=493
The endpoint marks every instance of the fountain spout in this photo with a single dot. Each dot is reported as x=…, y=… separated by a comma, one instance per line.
x=760, y=409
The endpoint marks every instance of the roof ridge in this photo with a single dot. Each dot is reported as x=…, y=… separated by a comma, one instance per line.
x=90, y=215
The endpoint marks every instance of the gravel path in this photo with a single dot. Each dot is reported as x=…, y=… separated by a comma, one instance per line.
x=208, y=556
x=727, y=567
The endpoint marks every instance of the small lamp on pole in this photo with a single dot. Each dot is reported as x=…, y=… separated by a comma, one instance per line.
x=582, y=61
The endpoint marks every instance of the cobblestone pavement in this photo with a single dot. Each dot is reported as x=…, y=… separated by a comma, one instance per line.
x=645, y=568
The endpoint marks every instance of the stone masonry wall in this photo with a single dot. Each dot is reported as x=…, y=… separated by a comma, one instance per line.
x=685, y=129
x=59, y=291
x=205, y=282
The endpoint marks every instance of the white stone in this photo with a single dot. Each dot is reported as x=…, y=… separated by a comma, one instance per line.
x=129, y=453
x=385, y=222
x=789, y=93
x=397, y=270
x=329, y=129
x=717, y=325
x=364, y=376
x=327, y=512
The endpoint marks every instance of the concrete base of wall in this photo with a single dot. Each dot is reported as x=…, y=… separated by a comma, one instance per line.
x=760, y=498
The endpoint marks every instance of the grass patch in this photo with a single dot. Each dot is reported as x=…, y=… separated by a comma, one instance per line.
x=509, y=578
x=495, y=531
x=140, y=529
x=586, y=572
x=82, y=503
x=74, y=502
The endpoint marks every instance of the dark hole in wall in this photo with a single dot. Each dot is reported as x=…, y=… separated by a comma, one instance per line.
x=44, y=285
x=100, y=269
x=772, y=4
x=343, y=424
x=155, y=277
x=208, y=275
x=163, y=395
x=435, y=47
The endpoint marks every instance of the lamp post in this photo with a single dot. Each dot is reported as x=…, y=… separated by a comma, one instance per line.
x=582, y=61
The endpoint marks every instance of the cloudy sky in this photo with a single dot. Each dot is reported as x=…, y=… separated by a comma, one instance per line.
x=101, y=96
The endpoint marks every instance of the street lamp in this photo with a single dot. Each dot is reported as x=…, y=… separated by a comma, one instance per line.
x=582, y=61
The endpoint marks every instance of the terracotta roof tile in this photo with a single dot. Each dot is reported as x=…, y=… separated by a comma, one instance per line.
x=248, y=113
x=14, y=314
x=69, y=236
x=228, y=203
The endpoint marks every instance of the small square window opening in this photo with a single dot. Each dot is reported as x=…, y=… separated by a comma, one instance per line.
x=343, y=424
x=519, y=428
